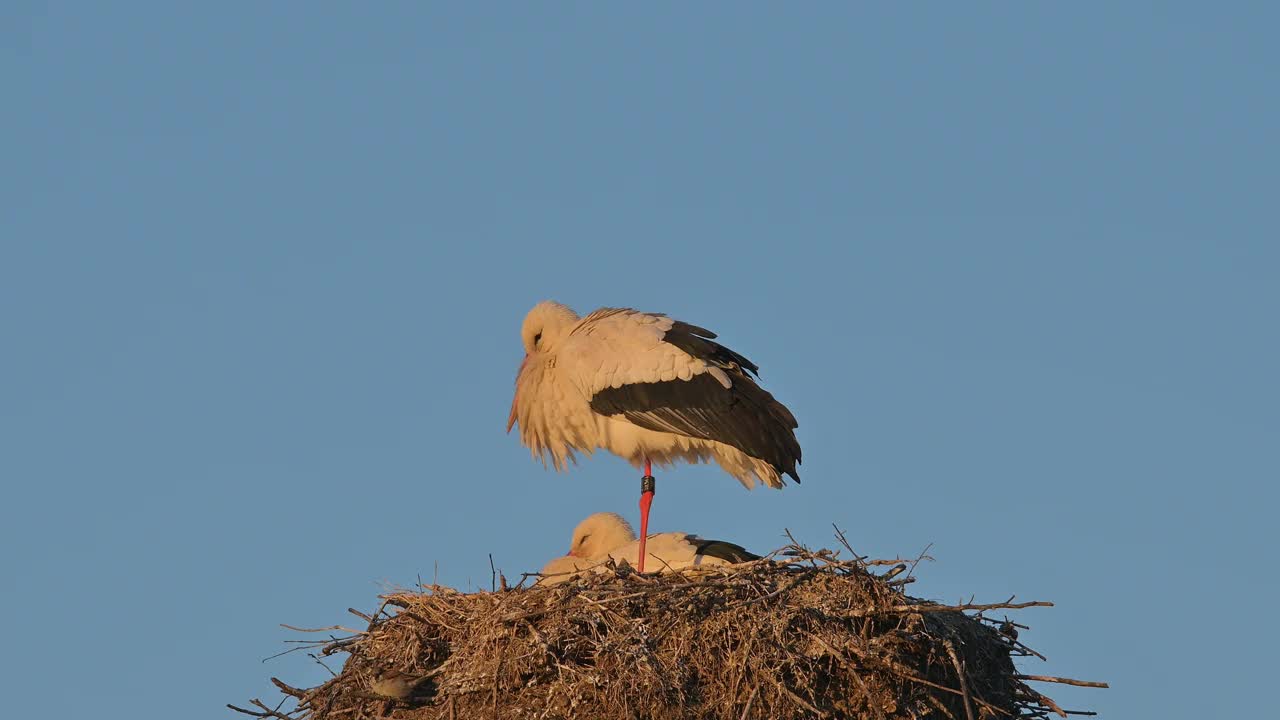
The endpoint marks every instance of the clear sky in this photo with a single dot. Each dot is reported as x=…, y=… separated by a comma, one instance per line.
x=263, y=265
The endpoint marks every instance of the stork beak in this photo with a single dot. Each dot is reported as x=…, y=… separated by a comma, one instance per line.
x=515, y=399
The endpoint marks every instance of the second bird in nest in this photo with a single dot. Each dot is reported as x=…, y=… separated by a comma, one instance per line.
x=607, y=536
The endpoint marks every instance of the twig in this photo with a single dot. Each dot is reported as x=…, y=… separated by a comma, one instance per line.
x=1049, y=703
x=785, y=588
x=1012, y=638
x=378, y=613
x=1019, y=644
x=938, y=704
x=337, y=645
x=894, y=571
x=265, y=713
x=493, y=575
x=320, y=662
x=1062, y=680
x=544, y=611
x=964, y=684
x=750, y=700
x=799, y=700
x=934, y=607
x=845, y=542
x=324, y=629
x=289, y=689
x=922, y=556
x=308, y=644
x=809, y=554
x=902, y=672
x=1005, y=621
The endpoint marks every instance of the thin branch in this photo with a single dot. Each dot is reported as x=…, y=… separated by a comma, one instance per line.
x=924, y=555
x=266, y=712
x=337, y=645
x=799, y=700
x=932, y=607
x=307, y=646
x=289, y=689
x=746, y=710
x=1062, y=680
x=964, y=683
x=894, y=572
x=324, y=629
x=1022, y=646
x=785, y=588
x=1049, y=703
x=320, y=662
x=845, y=542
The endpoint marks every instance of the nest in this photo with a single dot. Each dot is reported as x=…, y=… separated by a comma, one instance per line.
x=800, y=634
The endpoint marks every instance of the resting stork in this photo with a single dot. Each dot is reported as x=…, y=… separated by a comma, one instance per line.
x=607, y=536
x=648, y=389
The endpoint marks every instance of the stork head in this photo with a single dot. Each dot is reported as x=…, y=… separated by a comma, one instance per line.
x=600, y=534
x=545, y=325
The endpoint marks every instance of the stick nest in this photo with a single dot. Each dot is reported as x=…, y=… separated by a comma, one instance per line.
x=801, y=634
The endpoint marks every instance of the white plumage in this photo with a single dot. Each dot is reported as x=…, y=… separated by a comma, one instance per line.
x=607, y=536
x=646, y=387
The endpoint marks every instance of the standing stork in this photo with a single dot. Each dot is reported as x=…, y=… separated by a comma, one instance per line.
x=648, y=389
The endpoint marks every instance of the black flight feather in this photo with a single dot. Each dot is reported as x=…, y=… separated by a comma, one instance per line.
x=744, y=416
x=726, y=551
x=698, y=342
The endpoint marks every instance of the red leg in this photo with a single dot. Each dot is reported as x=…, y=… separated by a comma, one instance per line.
x=646, y=499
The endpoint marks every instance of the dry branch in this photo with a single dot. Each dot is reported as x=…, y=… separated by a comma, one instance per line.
x=1064, y=681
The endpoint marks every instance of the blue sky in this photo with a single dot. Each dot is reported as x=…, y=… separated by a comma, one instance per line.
x=263, y=265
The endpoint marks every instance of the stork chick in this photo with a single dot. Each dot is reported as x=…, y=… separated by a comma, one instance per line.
x=607, y=536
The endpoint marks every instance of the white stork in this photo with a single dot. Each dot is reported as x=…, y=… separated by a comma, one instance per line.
x=607, y=536
x=649, y=389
